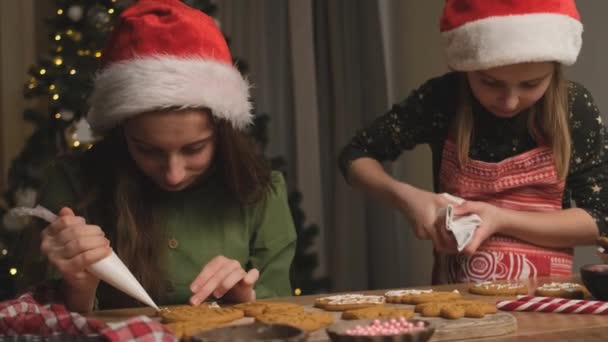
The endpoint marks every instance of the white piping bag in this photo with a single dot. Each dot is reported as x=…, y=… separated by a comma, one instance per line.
x=110, y=269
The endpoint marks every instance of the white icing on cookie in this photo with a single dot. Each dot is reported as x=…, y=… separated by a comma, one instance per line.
x=353, y=299
x=399, y=293
x=569, y=287
x=488, y=285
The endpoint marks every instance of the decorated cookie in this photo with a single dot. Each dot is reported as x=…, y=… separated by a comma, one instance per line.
x=348, y=302
x=499, y=288
x=378, y=311
x=199, y=313
x=186, y=329
x=420, y=296
x=456, y=309
x=305, y=320
x=562, y=290
x=253, y=309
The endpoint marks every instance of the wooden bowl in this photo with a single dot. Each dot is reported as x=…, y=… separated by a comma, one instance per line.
x=253, y=332
x=337, y=332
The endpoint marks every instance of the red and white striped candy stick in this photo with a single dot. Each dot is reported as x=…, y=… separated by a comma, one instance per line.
x=558, y=305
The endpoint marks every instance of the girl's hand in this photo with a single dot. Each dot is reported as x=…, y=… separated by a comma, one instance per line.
x=71, y=246
x=491, y=222
x=421, y=208
x=224, y=278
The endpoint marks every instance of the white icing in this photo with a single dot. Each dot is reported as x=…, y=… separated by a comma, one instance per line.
x=570, y=287
x=487, y=285
x=399, y=293
x=354, y=299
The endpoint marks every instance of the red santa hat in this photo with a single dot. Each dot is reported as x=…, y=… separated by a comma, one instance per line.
x=481, y=34
x=164, y=54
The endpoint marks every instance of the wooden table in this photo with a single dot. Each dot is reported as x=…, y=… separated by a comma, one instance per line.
x=532, y=326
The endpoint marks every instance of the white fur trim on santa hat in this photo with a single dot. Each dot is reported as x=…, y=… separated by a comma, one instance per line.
x=140, y=85
x=497, y=41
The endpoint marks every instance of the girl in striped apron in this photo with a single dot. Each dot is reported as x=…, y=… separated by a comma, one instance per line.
x=508, y=134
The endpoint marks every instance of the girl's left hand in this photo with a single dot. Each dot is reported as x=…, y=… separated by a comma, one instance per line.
x=491, y=222
x=224, y=278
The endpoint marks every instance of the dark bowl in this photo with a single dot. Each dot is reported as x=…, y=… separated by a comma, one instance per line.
x=337, y=333
x=595, y=279
x=253, y=332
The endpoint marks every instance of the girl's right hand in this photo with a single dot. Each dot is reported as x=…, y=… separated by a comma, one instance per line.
x=71, y=245
x=421, y=209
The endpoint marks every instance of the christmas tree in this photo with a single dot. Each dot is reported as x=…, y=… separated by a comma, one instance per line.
x=61, y=82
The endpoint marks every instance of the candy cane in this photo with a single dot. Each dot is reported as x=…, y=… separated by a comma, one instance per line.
x=559, y=305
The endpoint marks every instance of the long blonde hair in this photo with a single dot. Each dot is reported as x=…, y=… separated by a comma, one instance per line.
x=547, y=123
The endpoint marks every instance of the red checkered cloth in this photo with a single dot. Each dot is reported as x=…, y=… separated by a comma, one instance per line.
x=25, y=315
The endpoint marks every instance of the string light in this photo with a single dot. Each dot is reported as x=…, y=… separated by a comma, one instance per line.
x=76, y=143
x=72, y=71
x=42, y=71
x=4, y=252
x=56, y=97
x=13, y=271
x=69, y=32
x=297, y=292
x=57, y=115
x=111, y=11
x=59, y=11
x=31, y=86
x=57, y=37
x=98, y=54
x=80, y=52
x=52, y=87
x=59, y=49
x=58, y=61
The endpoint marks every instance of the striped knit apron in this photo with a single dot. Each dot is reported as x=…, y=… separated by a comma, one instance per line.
x=526, y=182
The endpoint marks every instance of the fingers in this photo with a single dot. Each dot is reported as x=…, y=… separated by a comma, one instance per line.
x=79, y=262
x=222, y=276
x=466, y=208
x=208, y=271
x=65, y=211
x=446, y=243
x=82, y=245
x=64, y=222
x=481, y=234
x=227, y=273
x=71, y=245
x=252, y=277
x=77, y=232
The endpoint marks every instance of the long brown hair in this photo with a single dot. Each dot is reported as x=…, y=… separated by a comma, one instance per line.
x=125, y=203
x=547, y=123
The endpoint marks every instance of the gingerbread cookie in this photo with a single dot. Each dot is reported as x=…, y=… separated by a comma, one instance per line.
x=253, y=309
x=456, y=309
x=420, y=296
x=562, y=290
x=378, y=311
x=305, y=320
x=187, y=329
x=348, y=302
x=499, y=288
x=199, y=313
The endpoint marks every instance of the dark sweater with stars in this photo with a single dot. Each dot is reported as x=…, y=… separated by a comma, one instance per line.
x=424, y=118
